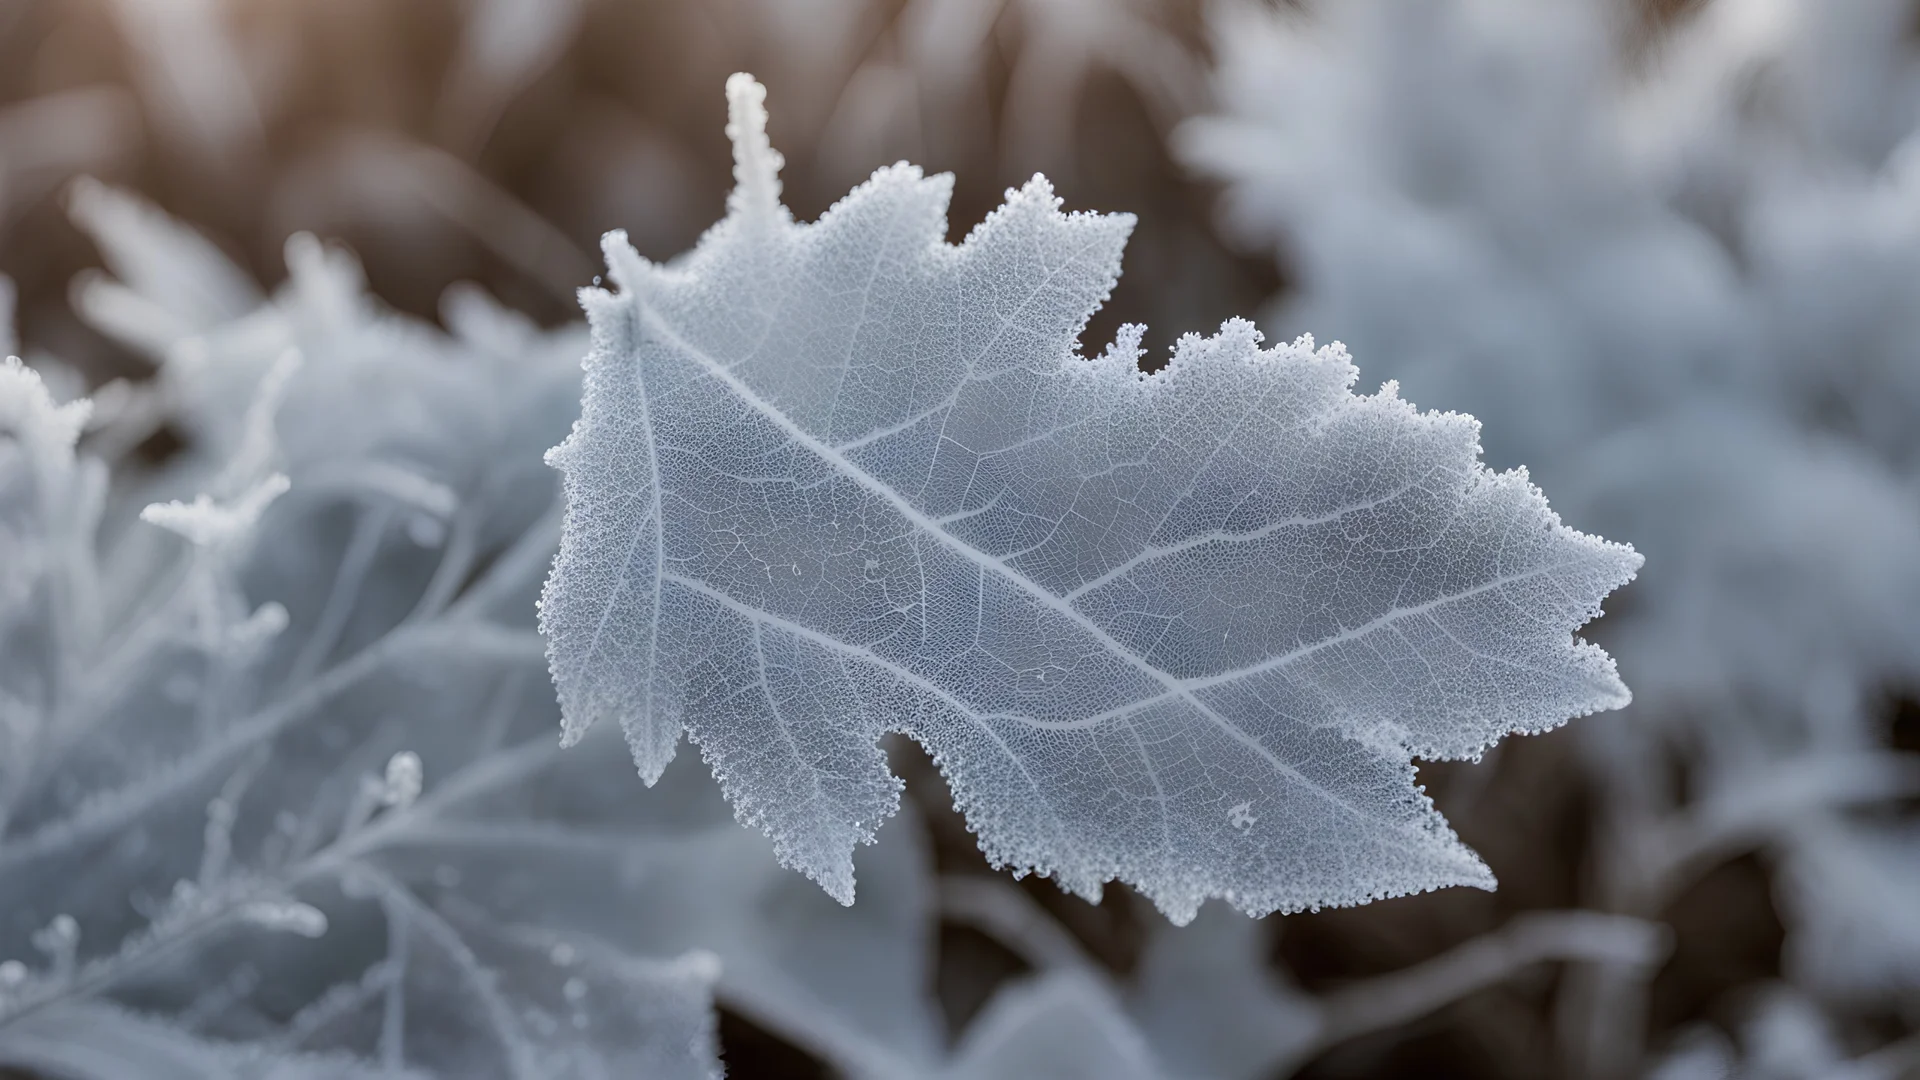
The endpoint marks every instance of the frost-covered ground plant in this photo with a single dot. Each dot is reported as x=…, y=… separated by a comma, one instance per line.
x=367, y=758
x=218, y=741
x=281, y=793
x=1679, y=281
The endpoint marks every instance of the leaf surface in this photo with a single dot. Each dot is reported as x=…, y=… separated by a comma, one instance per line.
x=1184, y=630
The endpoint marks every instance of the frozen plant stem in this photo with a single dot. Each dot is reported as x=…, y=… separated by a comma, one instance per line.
x=368, y=531
x=960, y=533
x=1390, y=1000
x=1001, y=909
x=214, y=908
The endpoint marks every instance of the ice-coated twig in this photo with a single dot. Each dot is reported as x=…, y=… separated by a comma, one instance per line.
x=1008, y=915
x=756, y=164
x=368, y=533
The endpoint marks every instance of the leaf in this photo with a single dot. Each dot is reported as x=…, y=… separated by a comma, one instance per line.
x=1063, y=1026
x=1185, y=630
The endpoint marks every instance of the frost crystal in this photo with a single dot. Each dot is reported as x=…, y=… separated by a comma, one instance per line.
x=403, y=781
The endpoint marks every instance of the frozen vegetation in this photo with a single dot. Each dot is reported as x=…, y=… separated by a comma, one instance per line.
x=322, y=694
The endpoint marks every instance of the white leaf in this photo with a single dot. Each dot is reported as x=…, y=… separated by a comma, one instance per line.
x=839, y=479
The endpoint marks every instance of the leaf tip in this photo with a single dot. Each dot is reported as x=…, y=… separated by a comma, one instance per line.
x=1179, y=912
x=838, y=885
x=653, y=749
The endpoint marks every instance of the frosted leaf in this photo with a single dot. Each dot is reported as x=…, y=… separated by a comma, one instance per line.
x=1063, y=1026
x=172, y=280
x=1114, y=608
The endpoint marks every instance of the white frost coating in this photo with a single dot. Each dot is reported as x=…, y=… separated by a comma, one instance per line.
x=28, y=413
x=1186, y=630
x=206, y=522
x=756, y=164
x=287, y=916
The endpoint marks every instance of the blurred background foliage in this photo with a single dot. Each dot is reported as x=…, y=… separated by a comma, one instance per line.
x=495, y=140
